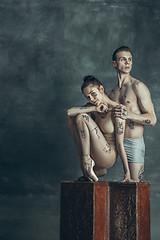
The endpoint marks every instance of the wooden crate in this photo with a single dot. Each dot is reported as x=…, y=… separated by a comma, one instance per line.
x=105, y=211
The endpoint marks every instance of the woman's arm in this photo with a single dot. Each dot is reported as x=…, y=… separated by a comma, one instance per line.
x=88, y=108
x=72, y=112
x=119, y=133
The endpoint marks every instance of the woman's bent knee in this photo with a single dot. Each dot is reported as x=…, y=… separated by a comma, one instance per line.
x=82, y=117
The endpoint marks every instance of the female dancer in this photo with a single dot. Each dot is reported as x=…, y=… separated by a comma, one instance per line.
x=98, y=140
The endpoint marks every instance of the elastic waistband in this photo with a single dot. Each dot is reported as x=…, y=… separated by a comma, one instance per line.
x=134, y=139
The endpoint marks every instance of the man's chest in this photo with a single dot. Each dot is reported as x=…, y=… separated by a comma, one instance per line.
x=125, y=96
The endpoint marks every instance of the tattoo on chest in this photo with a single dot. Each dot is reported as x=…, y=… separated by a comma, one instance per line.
x=120, y=128
x=107, y=149
x=147, y=121
x=130, y=124
x=96, y=130
x=123, y=98
x=86, y=117
x=140, y=173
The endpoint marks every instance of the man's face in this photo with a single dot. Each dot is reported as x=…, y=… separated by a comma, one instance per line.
x=123, y=62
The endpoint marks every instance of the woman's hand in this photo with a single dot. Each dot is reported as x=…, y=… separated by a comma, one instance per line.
x=102, y=108
x=127, y=178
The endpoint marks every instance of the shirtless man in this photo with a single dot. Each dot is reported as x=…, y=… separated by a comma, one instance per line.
x=135, y=107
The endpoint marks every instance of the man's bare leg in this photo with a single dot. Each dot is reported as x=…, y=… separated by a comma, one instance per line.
x=137, y=171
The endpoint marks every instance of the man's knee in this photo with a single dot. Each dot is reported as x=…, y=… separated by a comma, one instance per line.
x=137, y=171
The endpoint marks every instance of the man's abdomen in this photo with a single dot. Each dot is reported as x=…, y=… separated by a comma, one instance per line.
x=133, y=130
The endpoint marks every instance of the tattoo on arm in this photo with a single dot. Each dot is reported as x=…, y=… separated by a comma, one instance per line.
x=107, y=149
x=124, y=113
x=147, y=121
x=120, y=128
x=130, y=124
x=96, y=130
x=86, y=117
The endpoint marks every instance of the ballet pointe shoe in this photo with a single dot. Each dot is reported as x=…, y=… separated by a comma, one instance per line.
x=84, y=179
x=87, y=167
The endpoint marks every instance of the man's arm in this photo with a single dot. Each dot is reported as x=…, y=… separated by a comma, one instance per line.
x=147, y=117
x=119, y=133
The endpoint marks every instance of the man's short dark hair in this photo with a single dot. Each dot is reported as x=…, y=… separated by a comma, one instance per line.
x=120, y=49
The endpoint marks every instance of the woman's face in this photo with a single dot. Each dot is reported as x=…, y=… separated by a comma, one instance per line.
x=94, y=94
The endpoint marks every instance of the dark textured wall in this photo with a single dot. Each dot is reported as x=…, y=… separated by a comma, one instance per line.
x=46, y=48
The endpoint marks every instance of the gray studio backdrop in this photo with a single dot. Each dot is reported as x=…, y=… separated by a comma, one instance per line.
x=46, y=48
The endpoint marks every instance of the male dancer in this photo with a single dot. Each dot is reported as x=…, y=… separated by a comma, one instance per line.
x=135, y=107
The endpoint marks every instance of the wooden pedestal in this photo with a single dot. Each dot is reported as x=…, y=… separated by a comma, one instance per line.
x=105, y=211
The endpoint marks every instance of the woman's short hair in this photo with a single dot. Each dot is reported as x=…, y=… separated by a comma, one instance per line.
x=90, y=80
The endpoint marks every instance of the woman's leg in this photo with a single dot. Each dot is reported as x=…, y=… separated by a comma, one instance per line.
x=100, y=171
x=94, y=146
x=75, y=134
x=72, y=126
x=137, y=171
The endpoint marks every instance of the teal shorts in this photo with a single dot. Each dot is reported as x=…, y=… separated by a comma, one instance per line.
x=135, y=149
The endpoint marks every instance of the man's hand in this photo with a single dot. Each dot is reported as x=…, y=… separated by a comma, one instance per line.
x=127, y=178
x=120, y=111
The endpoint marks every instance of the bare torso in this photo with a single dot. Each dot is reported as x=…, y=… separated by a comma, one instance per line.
x=126, y=96
x=105, y=123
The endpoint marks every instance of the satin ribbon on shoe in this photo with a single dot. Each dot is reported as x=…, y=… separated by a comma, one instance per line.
x=87, y=167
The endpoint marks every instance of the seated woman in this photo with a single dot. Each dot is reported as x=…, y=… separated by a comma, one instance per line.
x=98, y=141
